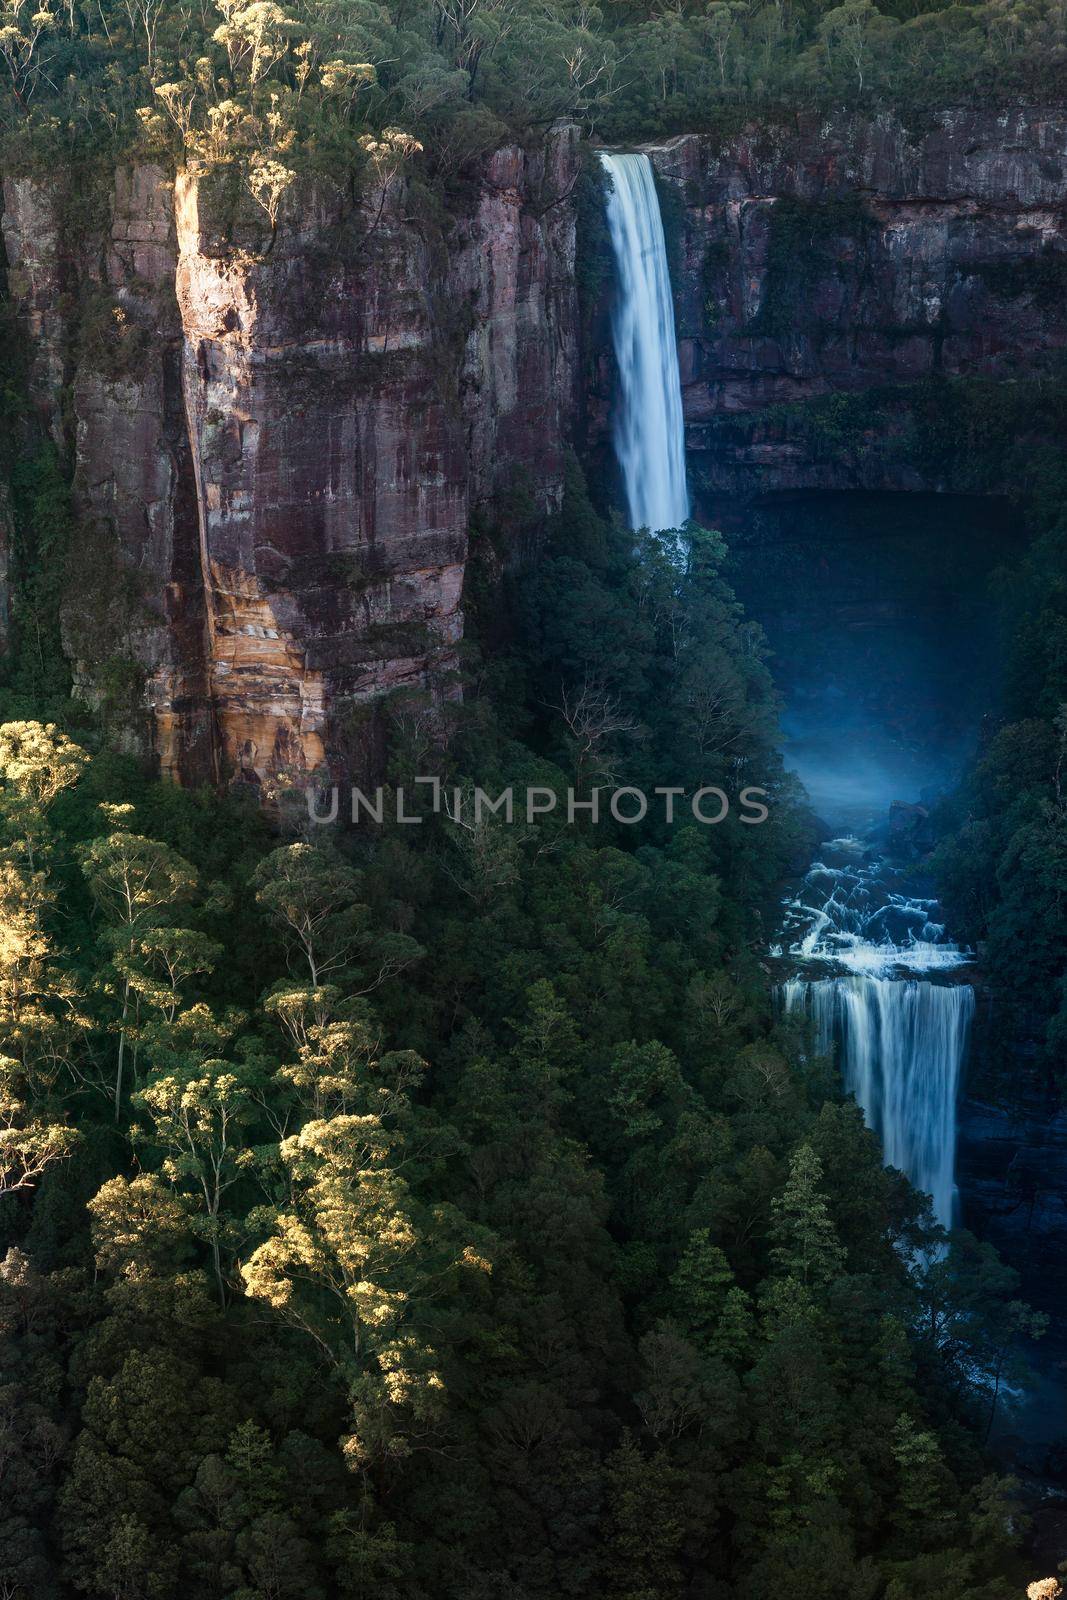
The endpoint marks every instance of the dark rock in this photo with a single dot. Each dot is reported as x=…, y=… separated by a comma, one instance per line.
x=279, y=442
x=942, y=261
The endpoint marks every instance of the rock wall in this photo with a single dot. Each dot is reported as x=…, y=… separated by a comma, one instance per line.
x=901, y=254
x=279, y=439
x=94, y=279
x=137, y=589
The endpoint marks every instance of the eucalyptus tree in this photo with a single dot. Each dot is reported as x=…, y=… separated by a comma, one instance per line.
x=138, y=884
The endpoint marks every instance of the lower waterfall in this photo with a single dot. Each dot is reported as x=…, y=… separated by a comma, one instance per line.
x=901, y=1038
x=902, y=1044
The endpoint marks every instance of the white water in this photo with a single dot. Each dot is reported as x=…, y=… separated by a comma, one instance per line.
x=902, y=1043
x=649, y=439
x=902, y=1039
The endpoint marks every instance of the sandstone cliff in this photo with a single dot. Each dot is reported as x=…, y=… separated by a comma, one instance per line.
x=278, y=441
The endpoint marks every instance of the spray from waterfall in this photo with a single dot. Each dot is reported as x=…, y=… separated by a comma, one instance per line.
x=649, y=440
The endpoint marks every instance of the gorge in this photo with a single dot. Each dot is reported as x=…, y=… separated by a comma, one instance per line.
x=276, y=451
x=519, y=1206
x=533, y=800
x=283, y=528
x=900, y=1040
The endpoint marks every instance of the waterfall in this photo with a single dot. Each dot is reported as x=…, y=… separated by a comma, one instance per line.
x=901, y=1039
x=649, y=440
x=902, y=1044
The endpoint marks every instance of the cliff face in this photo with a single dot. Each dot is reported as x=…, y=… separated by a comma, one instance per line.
x=105, y=354
x=279, y=442
x=837, y=257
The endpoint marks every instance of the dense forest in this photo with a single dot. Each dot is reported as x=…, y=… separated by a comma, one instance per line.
x=1002, y=859
x=269, y=88
x=440, y=1210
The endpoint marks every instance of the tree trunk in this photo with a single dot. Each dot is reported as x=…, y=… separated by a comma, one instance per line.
x=122, y=1052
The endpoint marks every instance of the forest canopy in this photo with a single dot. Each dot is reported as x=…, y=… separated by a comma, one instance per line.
x=276, y=86
x=442, y=1212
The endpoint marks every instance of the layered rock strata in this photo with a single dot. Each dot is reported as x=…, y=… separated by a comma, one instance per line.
x=847, y=257
x=279, y=438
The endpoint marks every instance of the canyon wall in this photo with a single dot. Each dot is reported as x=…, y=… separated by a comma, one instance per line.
x=278, y=439
x=846, y=257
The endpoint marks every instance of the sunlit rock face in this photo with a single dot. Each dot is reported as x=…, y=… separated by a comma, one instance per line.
x=330, y=474
x=939, y=250
x=278, y=441
x=352, y=391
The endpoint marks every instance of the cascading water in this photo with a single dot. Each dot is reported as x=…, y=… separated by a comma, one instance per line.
x=901, y=1038
x=649, y=439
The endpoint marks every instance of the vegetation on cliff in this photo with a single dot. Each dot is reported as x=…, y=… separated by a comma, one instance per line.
x=363, y=87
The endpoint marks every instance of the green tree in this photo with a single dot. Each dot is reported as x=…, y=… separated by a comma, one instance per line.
x=137, y=884
x=198, y=1117
x=807, y=1246
x=314, y=897
x=356, y=1256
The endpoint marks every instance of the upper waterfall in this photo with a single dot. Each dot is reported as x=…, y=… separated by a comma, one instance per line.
x=649, y=439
